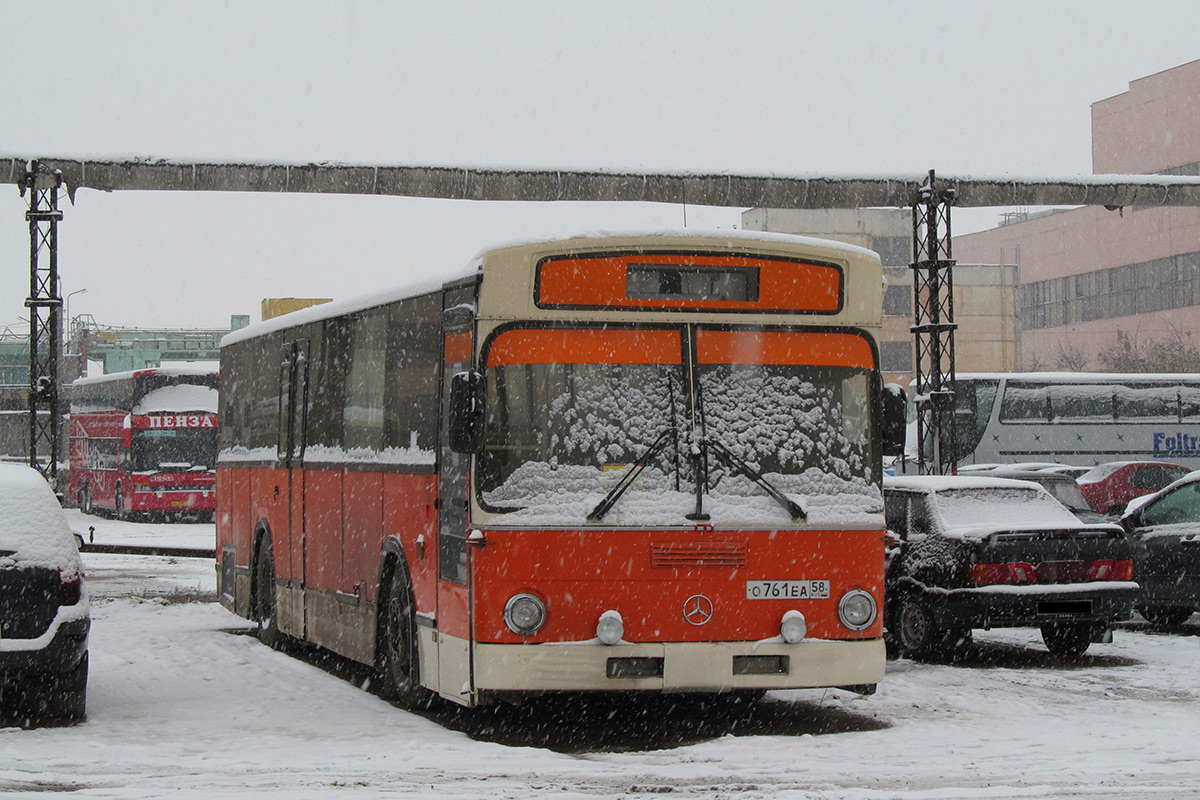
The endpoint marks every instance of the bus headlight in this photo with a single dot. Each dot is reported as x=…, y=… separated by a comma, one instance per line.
x=524, y=614
x=794, y=627
x=856, y=609
x=611, y=628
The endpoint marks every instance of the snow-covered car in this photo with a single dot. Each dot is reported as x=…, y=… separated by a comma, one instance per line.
x=1109, y=487
x=1165, y=528
x=982, y=552
x=44, y=613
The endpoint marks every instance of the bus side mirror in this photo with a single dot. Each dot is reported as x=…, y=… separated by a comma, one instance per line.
x=466, y=412
x=127, y=431
x=894, y=417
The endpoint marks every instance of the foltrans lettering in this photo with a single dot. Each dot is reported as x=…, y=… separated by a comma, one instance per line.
x=1178, y=442
x=181, y=421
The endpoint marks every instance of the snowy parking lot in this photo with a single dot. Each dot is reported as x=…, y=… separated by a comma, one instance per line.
x=184, y=701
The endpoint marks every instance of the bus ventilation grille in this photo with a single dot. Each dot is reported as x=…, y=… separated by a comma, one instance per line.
x=698, y=554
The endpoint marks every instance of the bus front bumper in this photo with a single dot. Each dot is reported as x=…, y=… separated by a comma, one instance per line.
x=678, y=666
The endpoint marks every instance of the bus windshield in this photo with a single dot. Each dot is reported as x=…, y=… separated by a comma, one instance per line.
x=560, y=436
x=173, y=449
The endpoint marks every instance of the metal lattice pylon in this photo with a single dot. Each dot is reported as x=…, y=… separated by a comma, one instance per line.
x=45, y=318
x=933, y=331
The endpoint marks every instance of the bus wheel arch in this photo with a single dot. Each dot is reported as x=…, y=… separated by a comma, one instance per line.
x=263, y=608
x=397, y=654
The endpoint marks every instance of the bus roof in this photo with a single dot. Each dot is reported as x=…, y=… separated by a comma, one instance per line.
x=180, y=370
x=715, y=238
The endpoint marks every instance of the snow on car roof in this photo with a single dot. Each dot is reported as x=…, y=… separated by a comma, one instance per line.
x=32, y=526
x=938, y=483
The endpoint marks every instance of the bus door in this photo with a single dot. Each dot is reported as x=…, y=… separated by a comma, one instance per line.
x=454, y=585
x=293, y=412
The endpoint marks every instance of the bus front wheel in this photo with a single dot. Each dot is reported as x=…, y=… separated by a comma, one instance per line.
x=401, y=676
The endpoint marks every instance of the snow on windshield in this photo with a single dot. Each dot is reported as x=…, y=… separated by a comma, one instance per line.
x=178, y=399
x=984, y=510
x=561, y=436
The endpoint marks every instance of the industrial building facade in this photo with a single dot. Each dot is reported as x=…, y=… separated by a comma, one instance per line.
x=1095, y=281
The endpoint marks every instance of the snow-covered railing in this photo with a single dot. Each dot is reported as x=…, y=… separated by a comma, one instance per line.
x=545, y=184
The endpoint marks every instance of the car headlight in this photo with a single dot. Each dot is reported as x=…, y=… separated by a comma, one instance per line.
x=524, y=614
x=856, y=609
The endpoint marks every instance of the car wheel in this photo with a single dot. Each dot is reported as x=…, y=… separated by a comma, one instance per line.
x=65, y=694
x=264, y=594
x=401, y=675
x=1165, y=617
x=917, y=635
x=1068, y=639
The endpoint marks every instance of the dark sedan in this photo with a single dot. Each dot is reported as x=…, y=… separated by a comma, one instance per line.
x=44, y=616
x=1166, y=533
x=984, y=553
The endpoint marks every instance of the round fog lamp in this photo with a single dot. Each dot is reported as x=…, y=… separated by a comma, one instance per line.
x=856, y=609
x=794, y=627
x=524, y=614
x=611, y=628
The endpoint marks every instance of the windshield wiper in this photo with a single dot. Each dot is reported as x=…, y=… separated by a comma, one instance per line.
x=614, y=494
x=736, y=464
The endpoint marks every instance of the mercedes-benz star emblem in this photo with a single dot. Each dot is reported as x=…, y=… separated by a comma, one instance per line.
x=697, y=609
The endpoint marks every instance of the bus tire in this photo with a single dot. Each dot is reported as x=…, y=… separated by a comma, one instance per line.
x=265, y=609
x=401, y=679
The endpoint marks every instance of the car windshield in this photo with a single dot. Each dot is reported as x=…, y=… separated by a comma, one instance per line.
x=999, y=508
x=627, y=443
x=1099, y=473
x=1178, y=506
x=1068, y=493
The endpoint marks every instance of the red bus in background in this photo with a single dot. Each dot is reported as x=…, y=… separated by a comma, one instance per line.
x=643, y=463
x=145, y=442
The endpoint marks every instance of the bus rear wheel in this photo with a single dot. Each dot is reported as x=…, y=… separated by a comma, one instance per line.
x=401, y=676
x=264, y=594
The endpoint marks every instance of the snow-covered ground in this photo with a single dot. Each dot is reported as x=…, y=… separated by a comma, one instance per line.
x=183, y=702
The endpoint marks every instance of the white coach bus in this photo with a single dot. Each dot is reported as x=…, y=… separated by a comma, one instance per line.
x=1077, y=418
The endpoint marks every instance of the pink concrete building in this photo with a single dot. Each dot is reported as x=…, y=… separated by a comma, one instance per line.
x=1088, y=273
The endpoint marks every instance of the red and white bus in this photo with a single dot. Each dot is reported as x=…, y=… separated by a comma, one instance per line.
x=145, y=442
x=605, y=463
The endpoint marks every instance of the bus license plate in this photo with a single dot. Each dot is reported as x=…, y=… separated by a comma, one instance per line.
x=786, y=590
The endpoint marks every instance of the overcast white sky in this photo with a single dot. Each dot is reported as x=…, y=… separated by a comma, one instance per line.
x=795, y=87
